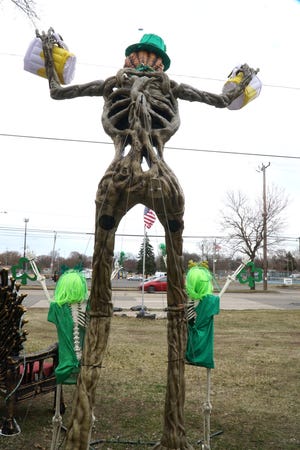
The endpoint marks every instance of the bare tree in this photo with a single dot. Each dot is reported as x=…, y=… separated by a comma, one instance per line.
x=27, y=6
x=243, y=220
x=9, y=258
x=206, y=246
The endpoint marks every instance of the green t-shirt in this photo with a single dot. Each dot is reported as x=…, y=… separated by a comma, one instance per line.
x=68, y=367
x=200, y=339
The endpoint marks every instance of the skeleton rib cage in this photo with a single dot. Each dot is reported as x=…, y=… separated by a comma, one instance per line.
x=136, y=114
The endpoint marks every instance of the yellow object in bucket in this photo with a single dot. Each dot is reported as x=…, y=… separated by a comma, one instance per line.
x=250, y=92
x=64, y=61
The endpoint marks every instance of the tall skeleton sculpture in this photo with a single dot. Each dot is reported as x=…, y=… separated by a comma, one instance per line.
x=140, y=115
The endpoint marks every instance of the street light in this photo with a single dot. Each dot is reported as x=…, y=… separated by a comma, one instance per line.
x=265, y=213
x=53, y=253
x=25, y=236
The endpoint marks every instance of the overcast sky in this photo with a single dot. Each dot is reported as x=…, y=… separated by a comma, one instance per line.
x=53, y=181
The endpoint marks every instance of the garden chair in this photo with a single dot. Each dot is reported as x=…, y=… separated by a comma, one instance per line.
x=22, y=376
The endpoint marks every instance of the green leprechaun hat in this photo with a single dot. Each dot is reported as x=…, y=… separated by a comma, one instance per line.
x=151, y=43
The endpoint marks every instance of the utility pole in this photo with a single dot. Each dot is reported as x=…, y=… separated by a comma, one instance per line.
x=214, y=257
x=25, y=237
x=25, y=241
x=53, y=254
x=265, y=213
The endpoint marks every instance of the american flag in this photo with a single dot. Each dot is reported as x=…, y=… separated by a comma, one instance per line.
x=149, y=217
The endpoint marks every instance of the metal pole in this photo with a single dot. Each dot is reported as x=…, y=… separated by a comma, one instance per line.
x=25, y=241
x=25, y=236
x=144, y=263
x=265, y=216
x=214, y=257
x=53, y=251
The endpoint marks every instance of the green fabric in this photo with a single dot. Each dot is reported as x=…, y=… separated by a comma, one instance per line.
x=68, y=368
x=200, y=340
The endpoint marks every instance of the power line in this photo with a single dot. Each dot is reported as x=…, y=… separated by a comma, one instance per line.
x=275, y=86
x=189, y=149
x=90, y=233
x=231, y=152
x=48, y=138
x=196, y=77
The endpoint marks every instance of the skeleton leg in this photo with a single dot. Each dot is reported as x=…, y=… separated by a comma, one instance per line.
x=56, y=420
x=206, y=413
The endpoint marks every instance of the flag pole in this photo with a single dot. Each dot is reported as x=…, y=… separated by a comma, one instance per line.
x=149, y=219
x=144, y=259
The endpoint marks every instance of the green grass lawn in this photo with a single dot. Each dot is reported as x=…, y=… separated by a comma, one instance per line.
x=255, y=385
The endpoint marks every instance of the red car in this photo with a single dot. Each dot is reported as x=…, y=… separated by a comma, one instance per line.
x=157, y=284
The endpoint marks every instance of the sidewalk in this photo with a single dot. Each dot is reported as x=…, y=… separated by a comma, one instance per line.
x=157, y=302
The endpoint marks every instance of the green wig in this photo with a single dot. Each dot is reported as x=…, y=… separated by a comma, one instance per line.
x=198, y=282
x=71, y=288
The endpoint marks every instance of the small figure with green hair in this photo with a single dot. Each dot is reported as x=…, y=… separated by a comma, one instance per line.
x=202, y=307
x=67, y=312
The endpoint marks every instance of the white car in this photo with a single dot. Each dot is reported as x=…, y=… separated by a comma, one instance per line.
x=135, y=278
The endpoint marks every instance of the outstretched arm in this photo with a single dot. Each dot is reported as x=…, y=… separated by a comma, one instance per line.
x=57, y=92
x=186, y=92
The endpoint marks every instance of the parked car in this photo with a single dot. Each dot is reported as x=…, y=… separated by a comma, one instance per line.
x=135, y=278
x=158, y=284
x=87, y=273
x=138, y=308
x=153, y=277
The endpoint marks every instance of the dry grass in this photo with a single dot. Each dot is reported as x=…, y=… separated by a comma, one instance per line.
x=255, y=385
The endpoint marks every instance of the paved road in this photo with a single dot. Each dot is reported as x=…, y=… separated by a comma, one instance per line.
x=280, y=299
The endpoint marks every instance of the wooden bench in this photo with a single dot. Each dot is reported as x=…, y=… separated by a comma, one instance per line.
x=16, y=383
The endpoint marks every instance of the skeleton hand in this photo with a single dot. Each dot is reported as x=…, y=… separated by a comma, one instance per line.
x=248, y=73
x=49, y=40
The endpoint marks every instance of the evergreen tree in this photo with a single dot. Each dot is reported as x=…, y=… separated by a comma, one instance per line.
x=291, y=263
x=150, y=265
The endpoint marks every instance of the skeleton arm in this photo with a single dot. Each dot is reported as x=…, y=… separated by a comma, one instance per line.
x=91, y=89
x=40, y=278
x=191, y=304
x=186, y=92
x=57, y=92
x=232, y=277
x=79, y=318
